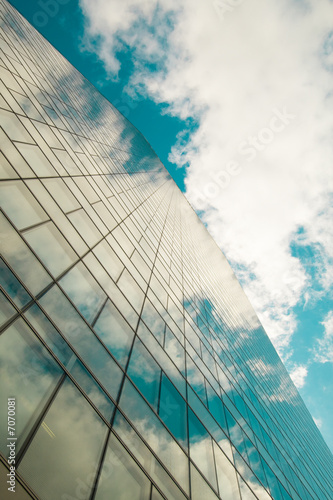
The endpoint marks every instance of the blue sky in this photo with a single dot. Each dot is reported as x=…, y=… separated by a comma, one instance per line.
x=236, y=101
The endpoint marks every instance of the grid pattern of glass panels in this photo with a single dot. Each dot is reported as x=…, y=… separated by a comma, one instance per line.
x=139, y=368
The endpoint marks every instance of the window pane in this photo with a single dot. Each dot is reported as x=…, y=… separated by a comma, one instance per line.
x=121, y=475
x=62, y=350
x=115, y=332
x=49, y=334
x=155, y=434
x=64, y=453
x=61, y=194
x=145, y=372
x=175, y=350
x=67, y=161
x=131, y=290
x=146, y=458
x=12, y=286
x=172, y=410
x=13, y=127
x=83, y=340
x=21, y=259
x=37, y=160
x=246, y=493
x=215, y=406
x=92, y=389
x=201, y=450
x=226, y=476
x=199, y=487
x=154, y=321
x=162, y=358
x=6, y=170
x=155, y=495
x=236, y=434
x=51, y=247
x=28, y=373
x=111, y=289
x=25, y=213
x=204, y=415
x=274, y=485
x=6, y=309
x=196, y=378
x=109, y=259
x=250, y=478
x=85, y=226
x=83, y=290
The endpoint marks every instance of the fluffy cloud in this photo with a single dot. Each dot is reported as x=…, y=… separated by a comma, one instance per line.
x=257, y=80
x=298, y=376
x=324, y=348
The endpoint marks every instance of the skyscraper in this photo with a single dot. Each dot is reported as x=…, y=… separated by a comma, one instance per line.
x=132, y=364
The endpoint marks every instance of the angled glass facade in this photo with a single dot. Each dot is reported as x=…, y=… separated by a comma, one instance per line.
x=138, y=367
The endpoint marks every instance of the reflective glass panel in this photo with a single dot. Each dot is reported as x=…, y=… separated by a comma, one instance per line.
x=37, y=160
x=51, y=247
x=199, y=488
x=85, y=226
x=49, y=334
x=21, y=259
x=155, y=495
x=121, y=475
x=6, y=309
x=110, y=260
x=136, y=445
x=28, y=373
x=92, y=389
x=12, y=286
x=145, y=372
x=172, y=410
x=115, y=332
x=226, y=476
x=27, y=211
x=83, y=290
x=131, y=290
x=83, y=340
x=155, y=434
x=201, y=448
x=68, y=444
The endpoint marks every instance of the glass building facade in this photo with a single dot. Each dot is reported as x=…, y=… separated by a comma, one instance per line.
x=139, y=369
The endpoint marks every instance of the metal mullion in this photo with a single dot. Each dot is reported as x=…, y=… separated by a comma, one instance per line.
x=33, y=226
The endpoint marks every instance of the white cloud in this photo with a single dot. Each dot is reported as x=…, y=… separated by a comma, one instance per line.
x=324, y=348
x=298, y=376
x=235, y=76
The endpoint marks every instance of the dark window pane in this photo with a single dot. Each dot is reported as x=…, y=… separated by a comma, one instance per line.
x=172, y=410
